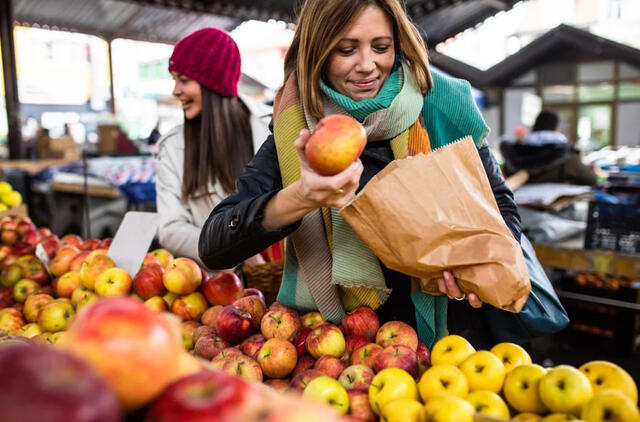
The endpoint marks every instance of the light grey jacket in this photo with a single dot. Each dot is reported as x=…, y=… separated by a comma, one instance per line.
x=180, y=221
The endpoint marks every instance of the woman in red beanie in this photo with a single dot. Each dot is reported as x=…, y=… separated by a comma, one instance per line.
x=198, y=162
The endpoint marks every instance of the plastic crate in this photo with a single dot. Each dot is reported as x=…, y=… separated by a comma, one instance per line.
x=613, y=227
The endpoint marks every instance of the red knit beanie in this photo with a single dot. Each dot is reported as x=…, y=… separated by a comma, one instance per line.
x=211, y=57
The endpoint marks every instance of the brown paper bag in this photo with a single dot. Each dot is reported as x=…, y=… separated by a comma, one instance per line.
x=429, y=213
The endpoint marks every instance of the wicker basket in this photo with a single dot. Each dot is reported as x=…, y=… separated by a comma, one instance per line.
x=264, y=277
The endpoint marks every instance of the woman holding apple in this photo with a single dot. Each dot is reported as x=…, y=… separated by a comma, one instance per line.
x=199, y=161
x=363, y=58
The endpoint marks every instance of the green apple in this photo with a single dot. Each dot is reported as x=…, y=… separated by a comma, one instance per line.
x=489, y=403
x=484, y=371
x=448, y=409
x=609, y=376
x=55, y=316
x=610, y=406
x=391, y=384
x=521, y=388
x=442, y=380
x=24, y=288
x=452, y=350
x=329, y=391
x=564, y=389
x=402, y=410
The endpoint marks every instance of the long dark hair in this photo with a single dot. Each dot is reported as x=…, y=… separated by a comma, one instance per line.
x=217, y=144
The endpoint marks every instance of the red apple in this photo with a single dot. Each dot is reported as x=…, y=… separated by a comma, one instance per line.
x=33, y=304
x=41, y=383
x=23, y=248
x=359, y=407
x=89, y=245
x=280, y=385
x=362, y=321
x=208, y=346
x=31, y=237
x=44, y=232
x=9, y=236
x=330, y=365
x=206, y=396
x=156, y=304
x=189, y=307
x=11, y=320
x=281, y=323
x=223, y=288
x=252, y=344
x=312, y=320
x=202, y=331
x=233, y=324
x=424, y=358
x=25, y=226
x=67, y=283
x=275, y=306
x=244, y=367
x=50, y=244
x=336, y=142
x=106, y=243
x=356, y=377
x=304, y=362
x=251, y=292
x=210, y=316
x=327, y=339
x=255, y=306
x=4, y=251
x=150, y=258
x=397, y=356
x=352, y=343
x=163, y=255
x=224, y=356
x=148, y=281
x=366, y=355
x=277, y=358
x=94, y=265
x=182, y=276
x=300, y=340
x=33, y=269
x=76, y=261
x=71, y=239
x=299, y=382
x=397, y=332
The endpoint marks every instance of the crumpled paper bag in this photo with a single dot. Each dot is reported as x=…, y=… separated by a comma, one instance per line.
x=429, y=213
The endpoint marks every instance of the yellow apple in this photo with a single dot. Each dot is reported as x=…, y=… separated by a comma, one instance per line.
x=527, y=417
x=402, y=410
x=447, y=409
x=391, y=384
x=521, y=388
x=484, y=371
x=29, y=330
x=488, y=403
x=610, y=406
x=609, y=376
x=511, y=355
x=442, y=380
x=560, y=417
x=113, y=282
x=564, y=389
x=329, y=391
x=451, y=350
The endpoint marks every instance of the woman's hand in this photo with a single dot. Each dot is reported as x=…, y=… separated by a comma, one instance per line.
x=449, y=287
x=318, y=191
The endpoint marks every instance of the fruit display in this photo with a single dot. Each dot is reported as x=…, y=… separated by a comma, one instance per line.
x=9, y=198
x=173, y=342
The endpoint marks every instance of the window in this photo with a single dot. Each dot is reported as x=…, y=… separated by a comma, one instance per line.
x=594, y=126
x=595, y=92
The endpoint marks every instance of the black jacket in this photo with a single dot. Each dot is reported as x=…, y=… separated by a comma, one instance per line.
x=233, y=231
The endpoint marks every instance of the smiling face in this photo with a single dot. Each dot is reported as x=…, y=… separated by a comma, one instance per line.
x=362, y=60
x=188, y=91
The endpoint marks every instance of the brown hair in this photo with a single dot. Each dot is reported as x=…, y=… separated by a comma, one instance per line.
x=217, y=144
x=321, y=25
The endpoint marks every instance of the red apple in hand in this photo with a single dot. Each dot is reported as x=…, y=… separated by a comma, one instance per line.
x=336, y=142
x=300, y=340
x=397, y=332
x=362, y=321
x=356, y=377
x=147, y=283
x=233, y=324
x=397, y=356
x=330, y=365
x=223, y=288
x=207, y=395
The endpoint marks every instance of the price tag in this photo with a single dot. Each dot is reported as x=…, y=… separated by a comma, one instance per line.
x=42, y=256
x=132, y=240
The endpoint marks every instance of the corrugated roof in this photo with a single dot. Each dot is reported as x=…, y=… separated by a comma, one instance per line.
x=170, y=20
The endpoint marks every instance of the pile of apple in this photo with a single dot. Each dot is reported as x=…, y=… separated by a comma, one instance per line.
x=463, y=382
